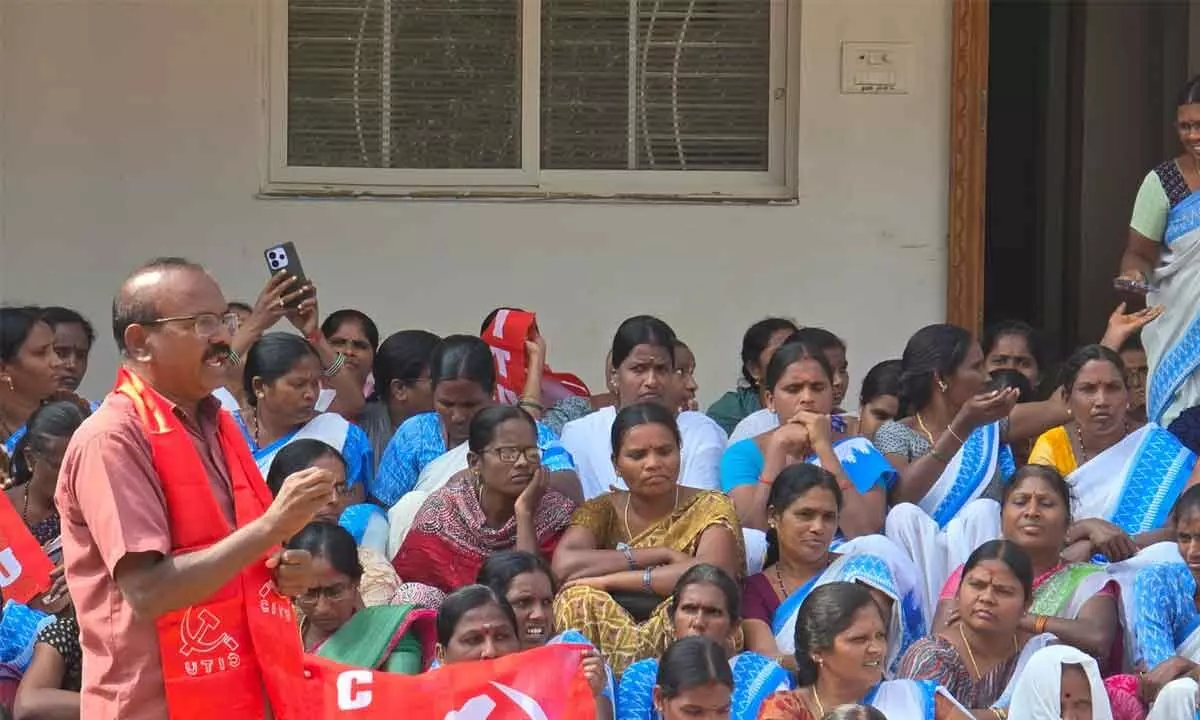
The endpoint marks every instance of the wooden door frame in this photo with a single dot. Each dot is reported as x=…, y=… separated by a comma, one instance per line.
x=968, y=164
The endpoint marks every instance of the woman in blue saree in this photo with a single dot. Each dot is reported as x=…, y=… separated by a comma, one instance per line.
x=841, y=646
x=804, y=505
x=705, y=603
x=1163, y=251
x=799, y=382
x=282, y=378
x=29, y=370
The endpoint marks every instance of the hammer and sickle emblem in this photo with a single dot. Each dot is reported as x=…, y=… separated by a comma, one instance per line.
x=199, y=633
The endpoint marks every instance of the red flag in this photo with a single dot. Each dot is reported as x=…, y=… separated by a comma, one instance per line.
x=542, y=684
x=506, y=336
x=24, y=567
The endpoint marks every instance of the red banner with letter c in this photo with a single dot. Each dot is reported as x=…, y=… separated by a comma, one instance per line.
x=542, y=684
x=24, y=567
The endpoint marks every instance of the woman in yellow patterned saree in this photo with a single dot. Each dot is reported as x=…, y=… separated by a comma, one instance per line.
x=624, y=551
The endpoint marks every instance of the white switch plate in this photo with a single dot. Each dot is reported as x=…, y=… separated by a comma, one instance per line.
x=882, y=68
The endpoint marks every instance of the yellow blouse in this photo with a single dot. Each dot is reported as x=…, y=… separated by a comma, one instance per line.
x=1053, y=448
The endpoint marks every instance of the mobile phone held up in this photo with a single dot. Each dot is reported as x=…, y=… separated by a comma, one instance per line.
x=284, y=258
x=1131, y=286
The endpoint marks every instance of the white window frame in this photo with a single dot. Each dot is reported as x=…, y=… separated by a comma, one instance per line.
x=778, y=182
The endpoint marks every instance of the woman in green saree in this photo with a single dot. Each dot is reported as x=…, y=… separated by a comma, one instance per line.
x=1073, y=601
x=335, y=625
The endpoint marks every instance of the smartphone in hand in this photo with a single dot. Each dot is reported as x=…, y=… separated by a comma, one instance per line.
x=1135, y=287
x=285, y=258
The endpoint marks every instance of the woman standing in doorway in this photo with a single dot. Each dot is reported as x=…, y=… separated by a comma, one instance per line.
x=1163, y=254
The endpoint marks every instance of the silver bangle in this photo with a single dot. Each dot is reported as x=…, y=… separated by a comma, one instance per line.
x=339, y=361
x=646, y=580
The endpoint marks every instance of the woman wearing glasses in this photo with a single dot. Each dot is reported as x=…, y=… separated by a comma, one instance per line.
x=336, y=625
x=503, y=503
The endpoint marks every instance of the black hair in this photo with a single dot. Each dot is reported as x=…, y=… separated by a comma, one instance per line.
x=492, y=316
x=755, y=341
x=794, y=482
x=56, y=316
x=463, y=357
x=483, y=426
x=332, y=542
x=1190, y=94
x=1048, y=473
x=1133, y=342
x=334, y=322
x=1009, y=553
x=131, y=307
x=464, y=600
x=272, y=357
x=1005, y=378
x=1006, y=328
x=705, y=574
x=645, y=413
x=16, y=323
x=1188, y=503
x=790, y=353
x=818, y=338
x=238, y=306
x=296, y=456
x=1085, y=355
x=54, y=420
x=403, y=356
x=881, y=380
x=499, y=570
x=934, y=350
x=642, y=330
x=826, y=613
x=855, y=712
x=692, y=662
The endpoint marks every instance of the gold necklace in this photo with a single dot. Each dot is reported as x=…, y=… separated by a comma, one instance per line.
x=971, y=654
x=817, y=697
x=629, y=500
x=921, y=424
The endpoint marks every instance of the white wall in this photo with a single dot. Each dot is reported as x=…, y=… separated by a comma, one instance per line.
x=131, y=128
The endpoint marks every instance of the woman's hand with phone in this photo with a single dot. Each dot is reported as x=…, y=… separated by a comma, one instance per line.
x=305, y=316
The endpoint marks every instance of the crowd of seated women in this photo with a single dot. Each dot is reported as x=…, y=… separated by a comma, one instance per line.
x=961, y=539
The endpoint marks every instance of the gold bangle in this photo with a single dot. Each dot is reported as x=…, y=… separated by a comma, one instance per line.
x=1000, y=713
x=1039, y=625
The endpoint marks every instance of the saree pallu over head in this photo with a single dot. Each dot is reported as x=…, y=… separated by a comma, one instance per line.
x=968, y=474
x=877, y=563
x=238, y=650
x=506, y=335
x=1173, y=340
x=450, y=538
x=1135, y=483
x=1038, y=693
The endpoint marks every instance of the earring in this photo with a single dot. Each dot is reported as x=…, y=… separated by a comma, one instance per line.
x=8, y=379
x=942, y=385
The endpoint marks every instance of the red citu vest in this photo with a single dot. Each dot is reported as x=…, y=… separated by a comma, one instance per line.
x=229, y=655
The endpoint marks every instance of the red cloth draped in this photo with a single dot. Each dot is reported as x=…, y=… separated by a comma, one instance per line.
x=24, y=567
x=506, y=336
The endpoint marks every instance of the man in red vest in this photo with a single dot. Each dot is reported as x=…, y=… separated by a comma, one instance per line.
x=170, y=537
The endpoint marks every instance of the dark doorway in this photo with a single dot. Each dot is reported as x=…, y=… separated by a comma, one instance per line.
x=1080, y=104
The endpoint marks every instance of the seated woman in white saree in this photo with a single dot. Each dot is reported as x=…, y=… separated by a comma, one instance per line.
x=981, y=654
x=705, y=603
x=1061, y=683
x=431, y=448
x=1077, y=602
x=1163, y=250
x=643, y=370
x=841, y=643
x=799, y=383
x=1126, y=475
x=803, y=514
x=282, y=379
